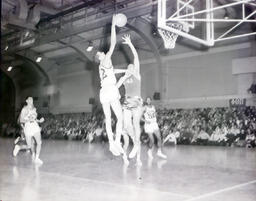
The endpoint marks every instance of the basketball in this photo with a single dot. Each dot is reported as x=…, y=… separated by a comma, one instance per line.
x=121, y=20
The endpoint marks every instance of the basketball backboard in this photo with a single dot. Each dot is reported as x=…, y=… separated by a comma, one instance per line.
x=203, y=16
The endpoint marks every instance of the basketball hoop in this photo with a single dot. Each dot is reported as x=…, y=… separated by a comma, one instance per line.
x=169, y=37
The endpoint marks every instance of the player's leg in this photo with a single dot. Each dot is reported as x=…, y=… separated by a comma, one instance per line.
x=28, y=141
x=150, y=145
x=107, y=113
x=128, y=126
x=137, y=112
x=127, y=119
x=18, y=141
x=16, y=149
x=127, y=131
x=175, y=140
x=117, y=108
x=20, y=145
x=159, y=144
x=38, y=140
x=125, y=147
x=33, y=148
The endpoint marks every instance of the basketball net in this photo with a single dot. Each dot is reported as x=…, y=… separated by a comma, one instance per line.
x=169, y=37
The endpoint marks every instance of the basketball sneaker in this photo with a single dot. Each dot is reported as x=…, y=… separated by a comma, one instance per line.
x=16, y=150
x=38, y=161
x=161, y=155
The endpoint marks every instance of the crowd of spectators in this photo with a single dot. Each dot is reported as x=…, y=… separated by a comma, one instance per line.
x=209, y=126
x=73, y=126
x=205, y=126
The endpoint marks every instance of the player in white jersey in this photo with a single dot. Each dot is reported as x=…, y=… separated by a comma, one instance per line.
x=151, y=128
x=132, y=108
x=28, y=117
x=109, y=94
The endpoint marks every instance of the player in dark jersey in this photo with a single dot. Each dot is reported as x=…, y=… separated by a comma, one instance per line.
x=132, y=107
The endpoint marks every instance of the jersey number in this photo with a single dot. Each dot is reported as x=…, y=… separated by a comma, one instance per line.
x=151, y=115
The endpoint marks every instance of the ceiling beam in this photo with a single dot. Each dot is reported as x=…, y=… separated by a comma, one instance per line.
x=68, y=11
x=98, y=23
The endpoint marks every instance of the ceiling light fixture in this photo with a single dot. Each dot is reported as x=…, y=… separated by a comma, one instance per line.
x=9, y=68
x=38, y=59
x=90, y=47
x=27, y=33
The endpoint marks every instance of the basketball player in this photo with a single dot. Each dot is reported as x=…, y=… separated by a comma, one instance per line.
x=151, y=128
x=20, y=140
x=28, y=117
x=132, y=108
x=109, y=94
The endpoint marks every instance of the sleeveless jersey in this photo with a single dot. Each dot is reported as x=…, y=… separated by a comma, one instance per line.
x=31, y=114
x=150, y=114
x=132, y=87
x=107, y=76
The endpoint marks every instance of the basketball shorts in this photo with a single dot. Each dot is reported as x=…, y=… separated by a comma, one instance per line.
x=31, y=128
x=132, y=102
x=151, y=127
x=109, y=94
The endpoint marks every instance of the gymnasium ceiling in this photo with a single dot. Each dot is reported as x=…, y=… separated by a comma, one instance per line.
x=62, y=29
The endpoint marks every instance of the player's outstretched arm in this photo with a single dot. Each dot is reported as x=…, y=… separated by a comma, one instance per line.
x=127, y=40
x=122, y=79
x=117, y=71
x=113, y=37
x=136, y=73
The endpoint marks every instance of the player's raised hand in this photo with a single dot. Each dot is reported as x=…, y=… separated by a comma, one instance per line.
x=127, y=39
x=114, y=19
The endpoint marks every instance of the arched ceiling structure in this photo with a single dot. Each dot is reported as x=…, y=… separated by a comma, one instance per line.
x=61, y=30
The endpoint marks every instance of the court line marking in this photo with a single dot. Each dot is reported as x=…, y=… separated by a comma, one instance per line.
x=221, y=191
x=110, y=183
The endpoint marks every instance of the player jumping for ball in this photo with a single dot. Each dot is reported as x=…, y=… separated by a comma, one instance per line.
x=109, y=94
x=132, y=108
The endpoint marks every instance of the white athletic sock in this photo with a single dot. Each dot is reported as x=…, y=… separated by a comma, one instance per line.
x=150, y=155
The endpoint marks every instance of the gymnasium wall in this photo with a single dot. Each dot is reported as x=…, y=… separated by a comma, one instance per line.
x=199, y=79
x=191, y=79
x=74, y=85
